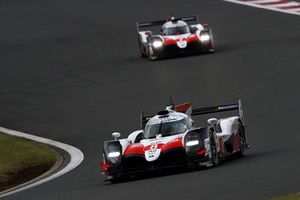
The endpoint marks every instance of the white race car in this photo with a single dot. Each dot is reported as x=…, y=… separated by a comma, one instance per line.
x=176, y=36
x=170, y=139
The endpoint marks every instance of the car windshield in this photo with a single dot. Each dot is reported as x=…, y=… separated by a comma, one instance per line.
x=165, y=129
x=176, y=30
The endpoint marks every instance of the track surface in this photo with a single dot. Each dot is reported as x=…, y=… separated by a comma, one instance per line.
x=70, y=71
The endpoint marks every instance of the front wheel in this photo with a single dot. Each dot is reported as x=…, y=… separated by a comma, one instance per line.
x=114, y=178
x=209, y=47
x=150, y=53
x=213, y=150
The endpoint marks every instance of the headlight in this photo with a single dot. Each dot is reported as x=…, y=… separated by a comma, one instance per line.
x=192, y=143
x=114, y=154
x=204, y=37
x=157, y=44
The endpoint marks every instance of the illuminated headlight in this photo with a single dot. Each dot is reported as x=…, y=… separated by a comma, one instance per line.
x=192, y=143
x=157, y=44
x=205, y=38
x=114, y=154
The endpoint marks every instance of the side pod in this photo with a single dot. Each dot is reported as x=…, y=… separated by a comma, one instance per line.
x=194, y=140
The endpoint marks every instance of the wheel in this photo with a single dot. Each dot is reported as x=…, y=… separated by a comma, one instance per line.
x=142, y=53
x=214, y=152
x=114, y=178
x=141, y=48
x=242, y=140
x=212, y=44
x=209, y=48
x=150, y=53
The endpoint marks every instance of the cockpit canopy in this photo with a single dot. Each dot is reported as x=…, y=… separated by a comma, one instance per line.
x=166, y=128
x=175, y=28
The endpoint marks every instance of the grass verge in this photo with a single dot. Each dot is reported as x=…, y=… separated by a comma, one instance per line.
x=288, y=197
x=22, y=160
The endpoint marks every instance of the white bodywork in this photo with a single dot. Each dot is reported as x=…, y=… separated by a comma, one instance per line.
x=228, y=127
x=154, y=152
x=182, y=38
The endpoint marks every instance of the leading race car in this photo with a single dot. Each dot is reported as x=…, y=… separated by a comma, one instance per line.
x=170, y=139
x=176, y=36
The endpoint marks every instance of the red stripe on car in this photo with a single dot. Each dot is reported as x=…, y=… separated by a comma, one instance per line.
x=104, y=165
x=153, y=146
x=134, y=149
x=202, y=151
x=172, y=144
x=192, y=38
x=168, y=41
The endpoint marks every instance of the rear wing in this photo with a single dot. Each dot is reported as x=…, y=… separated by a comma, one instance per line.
x=221, y=108
x=161, y=22
x=200, y=111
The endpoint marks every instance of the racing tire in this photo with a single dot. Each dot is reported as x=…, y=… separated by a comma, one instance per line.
x=210, y=47
x=142, y=49
x=115, y=178
x=212, y=44
x=214, y=152
x=242, y=141
x=142, y=54
x=150, y=54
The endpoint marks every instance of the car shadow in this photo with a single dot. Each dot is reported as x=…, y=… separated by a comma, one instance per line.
x=230, y=160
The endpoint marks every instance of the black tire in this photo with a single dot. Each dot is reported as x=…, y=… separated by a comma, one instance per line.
x=212, y=44
x=242, y=138
x=209, y=48
x=141, y=48
x=150, y=55
x=213, y=148
x=115, y=178
x=142, y=54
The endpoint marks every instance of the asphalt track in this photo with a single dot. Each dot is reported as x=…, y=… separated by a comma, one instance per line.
x=70, y=71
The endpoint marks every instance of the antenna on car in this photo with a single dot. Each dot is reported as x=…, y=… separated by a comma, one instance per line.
x=172, y=17
x=172, y=14
x=171, y=103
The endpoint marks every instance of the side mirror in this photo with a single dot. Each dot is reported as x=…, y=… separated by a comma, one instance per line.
x=193, y=29
x=212, y=121
x=116, y=135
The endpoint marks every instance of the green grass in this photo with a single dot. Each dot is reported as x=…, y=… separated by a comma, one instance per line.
x=18, y=154
x=288, y=197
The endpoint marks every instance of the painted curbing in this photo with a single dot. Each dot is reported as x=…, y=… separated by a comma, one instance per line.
x=286, y=6
x=76, y=157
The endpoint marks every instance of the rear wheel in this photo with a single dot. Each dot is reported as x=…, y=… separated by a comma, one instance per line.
x=242, y=140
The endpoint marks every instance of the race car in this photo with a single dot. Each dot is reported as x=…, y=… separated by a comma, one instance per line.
x=176, y=37
x=171, y=139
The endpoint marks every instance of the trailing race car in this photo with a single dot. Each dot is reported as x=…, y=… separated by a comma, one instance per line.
x=176, y=36
x=170, y=139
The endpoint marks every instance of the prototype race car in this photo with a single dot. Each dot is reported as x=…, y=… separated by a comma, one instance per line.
x=176, y=36
x=170, y=139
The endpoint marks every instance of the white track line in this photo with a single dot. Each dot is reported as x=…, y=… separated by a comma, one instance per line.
x=296, y=9
x=263, y=1
x=250, y=3
x=292, y=3
x=75, y=154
